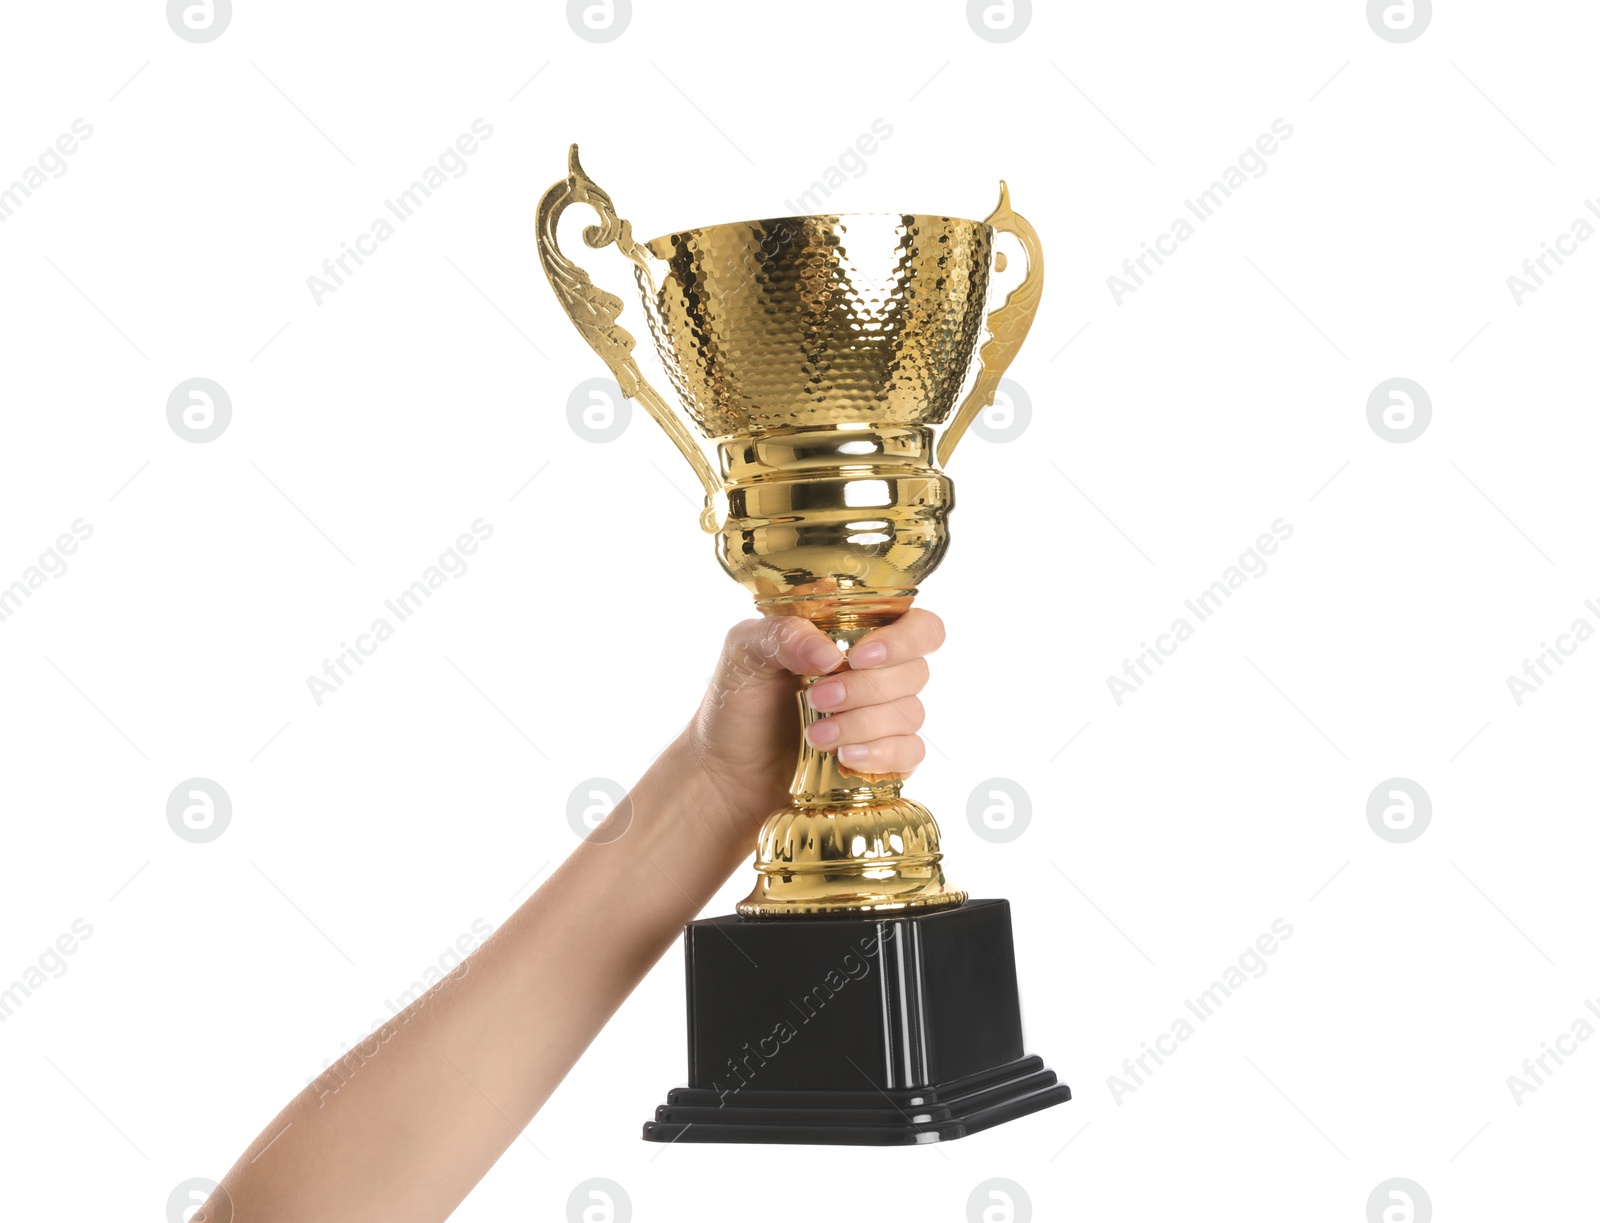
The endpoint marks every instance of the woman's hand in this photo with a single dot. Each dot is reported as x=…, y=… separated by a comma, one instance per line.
x=747, y=731
x=404, y=1124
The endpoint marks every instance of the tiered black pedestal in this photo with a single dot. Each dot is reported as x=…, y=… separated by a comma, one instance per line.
x=873, y=1031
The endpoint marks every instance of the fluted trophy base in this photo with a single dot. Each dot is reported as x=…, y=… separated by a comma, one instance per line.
x=846, y=842
x=878, y=857
x=869, y=1031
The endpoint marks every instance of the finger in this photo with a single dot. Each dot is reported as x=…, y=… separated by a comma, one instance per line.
x=853, y=689
x=896, y=754
x=775, y=644
x=915, y=634
x=899, y=717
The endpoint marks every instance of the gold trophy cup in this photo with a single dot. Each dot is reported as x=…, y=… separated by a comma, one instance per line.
x=818, y=352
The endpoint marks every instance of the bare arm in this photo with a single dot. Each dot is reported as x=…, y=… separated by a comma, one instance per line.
x=403, y=1127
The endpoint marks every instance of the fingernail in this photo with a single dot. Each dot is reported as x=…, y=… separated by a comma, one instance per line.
x=822, y=732
x=825, y=696
x=854, y=753
x=868, y=654
x=820, y=656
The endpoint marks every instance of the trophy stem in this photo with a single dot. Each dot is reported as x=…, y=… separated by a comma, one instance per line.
x=847, y=842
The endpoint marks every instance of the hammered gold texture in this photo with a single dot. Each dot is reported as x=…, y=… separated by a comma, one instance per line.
x=805, y=321
x=819, y=352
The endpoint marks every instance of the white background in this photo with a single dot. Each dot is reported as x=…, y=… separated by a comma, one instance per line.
x=1168, y=432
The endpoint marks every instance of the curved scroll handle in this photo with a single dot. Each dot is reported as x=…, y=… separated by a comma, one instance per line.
x=1008, y=323
x=594, y=312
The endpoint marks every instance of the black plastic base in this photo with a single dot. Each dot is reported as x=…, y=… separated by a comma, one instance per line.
x=871, y=1031
x=861, y=1118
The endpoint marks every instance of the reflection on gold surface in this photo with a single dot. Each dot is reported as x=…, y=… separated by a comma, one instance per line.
x=818, y=352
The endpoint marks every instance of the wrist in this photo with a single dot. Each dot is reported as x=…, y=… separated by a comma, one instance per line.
x=703, y=806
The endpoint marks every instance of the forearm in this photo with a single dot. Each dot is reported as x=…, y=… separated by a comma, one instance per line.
x=403, y=1127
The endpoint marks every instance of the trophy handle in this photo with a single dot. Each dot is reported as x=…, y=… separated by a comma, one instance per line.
x=1008, y=323
x=594, y=312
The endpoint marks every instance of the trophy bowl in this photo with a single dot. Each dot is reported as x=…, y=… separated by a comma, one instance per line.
x=818, y=353
x=809, y=322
